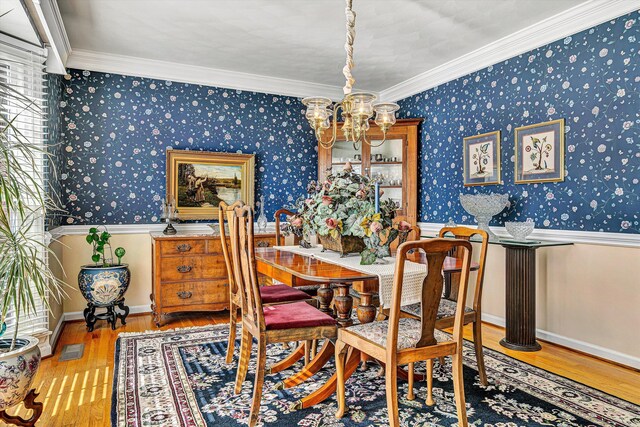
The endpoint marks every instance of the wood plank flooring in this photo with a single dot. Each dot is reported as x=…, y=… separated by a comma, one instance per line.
x=78, y=392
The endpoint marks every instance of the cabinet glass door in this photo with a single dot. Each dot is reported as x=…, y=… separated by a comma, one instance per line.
x=386, y=168
x=343, y=152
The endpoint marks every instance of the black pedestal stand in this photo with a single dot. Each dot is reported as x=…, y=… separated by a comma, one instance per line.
x=110, y=316
x=520, y=299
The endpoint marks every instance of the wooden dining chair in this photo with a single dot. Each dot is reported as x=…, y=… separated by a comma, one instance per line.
x=280, y=238
x=312, y=290
x=383, y=312
x=404, y=341
x=276, y=294
x=445, y=318
x=266, y=324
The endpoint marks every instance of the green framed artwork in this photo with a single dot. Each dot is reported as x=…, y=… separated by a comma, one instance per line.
x=540, y=152
x=481, y=155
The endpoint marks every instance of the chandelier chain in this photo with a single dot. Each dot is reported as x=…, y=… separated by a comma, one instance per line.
x=348, y=47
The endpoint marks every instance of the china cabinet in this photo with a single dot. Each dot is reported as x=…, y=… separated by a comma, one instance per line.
x=394, y=163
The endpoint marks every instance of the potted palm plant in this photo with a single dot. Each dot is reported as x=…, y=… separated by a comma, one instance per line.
x=25, y=276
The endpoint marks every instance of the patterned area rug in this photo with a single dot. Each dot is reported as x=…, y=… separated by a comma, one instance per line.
x=179, y=378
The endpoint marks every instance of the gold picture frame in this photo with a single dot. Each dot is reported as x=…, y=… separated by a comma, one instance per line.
x=481, y=159
x=539, y=152
x=199, y=180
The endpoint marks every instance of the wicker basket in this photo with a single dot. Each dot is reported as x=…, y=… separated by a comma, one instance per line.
x=344, y=244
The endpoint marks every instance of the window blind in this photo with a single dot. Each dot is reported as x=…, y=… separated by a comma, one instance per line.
x=23, y=69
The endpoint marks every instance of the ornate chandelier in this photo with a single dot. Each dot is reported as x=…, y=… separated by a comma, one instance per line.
x=357, y=107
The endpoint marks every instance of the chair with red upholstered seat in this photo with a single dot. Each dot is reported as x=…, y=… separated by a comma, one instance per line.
x=267, y=324
x=277, y=294
x=280, y=241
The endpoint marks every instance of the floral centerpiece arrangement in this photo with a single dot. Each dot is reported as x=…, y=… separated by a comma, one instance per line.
x=348, y=216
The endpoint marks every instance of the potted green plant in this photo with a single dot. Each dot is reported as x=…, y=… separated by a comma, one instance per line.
x=104, y=283
x=25, y=276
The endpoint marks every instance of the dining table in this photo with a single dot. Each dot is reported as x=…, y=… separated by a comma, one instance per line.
x=297, y=270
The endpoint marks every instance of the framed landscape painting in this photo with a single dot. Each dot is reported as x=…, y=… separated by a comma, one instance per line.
x=481, y=155
x=540, y=152
x=199, y=180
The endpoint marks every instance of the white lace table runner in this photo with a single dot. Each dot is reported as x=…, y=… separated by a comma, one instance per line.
x=414, y=273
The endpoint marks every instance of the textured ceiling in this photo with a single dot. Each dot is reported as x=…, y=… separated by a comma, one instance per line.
x=301, y=39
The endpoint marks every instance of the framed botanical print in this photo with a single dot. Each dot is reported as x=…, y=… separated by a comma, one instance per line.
x=482, y=159
x=540, y=152
x=199, y=180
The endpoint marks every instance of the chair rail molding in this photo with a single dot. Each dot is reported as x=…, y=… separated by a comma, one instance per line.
x=566, y=23
x=164, y=70
x=70, y=230
x=573, y=236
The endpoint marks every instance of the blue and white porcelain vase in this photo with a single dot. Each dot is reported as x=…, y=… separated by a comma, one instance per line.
x=103, y=286
x=17, y=369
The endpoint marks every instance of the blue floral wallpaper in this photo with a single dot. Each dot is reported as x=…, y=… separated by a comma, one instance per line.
x=115, y=131
x=592, y=80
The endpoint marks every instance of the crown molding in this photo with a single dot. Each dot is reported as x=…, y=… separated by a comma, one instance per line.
x=569, y=22
x=163, y=70
x=48, y=20
x=624, y=240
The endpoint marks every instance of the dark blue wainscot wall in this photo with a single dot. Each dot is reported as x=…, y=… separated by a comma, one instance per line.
x=115, y=131
x=592, y=80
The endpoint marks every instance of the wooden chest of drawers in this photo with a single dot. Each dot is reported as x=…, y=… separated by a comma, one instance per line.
x=189, y=273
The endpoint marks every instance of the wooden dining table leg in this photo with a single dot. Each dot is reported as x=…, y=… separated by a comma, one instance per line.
x=366, y=311
x=324, y=355
x=329, y=387
x=288, y=361
x=343, y=303
x=365, y=315
x=325, y=296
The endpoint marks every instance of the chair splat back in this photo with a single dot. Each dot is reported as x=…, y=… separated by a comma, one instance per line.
x=244, y=263
x=225, y=213
x=278, y=219
x=434, y=252
x=466, y=233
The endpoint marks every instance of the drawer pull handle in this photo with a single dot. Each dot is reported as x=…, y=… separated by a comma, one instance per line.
x=184, y=294
x=184, y=268
x=263, y=244
x=185, y=247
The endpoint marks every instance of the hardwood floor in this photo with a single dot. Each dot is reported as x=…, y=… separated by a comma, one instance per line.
x=78, y=392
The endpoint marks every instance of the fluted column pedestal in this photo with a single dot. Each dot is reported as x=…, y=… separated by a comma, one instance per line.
x=520, y=298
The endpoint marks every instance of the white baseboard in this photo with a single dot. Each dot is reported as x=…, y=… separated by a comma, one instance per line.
x=53, y=340
x=78, y=315
x=585, y=347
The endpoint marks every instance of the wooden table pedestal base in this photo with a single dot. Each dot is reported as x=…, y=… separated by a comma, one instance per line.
x=520, y=299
